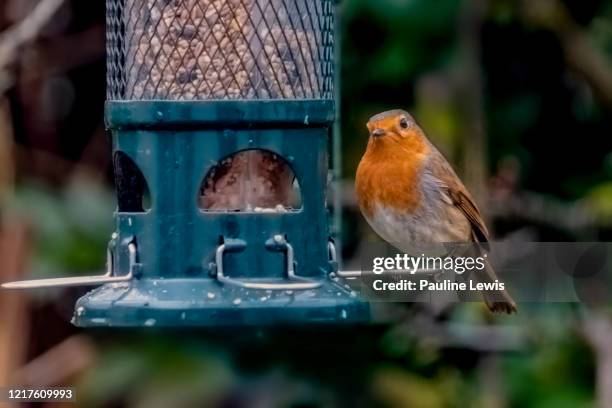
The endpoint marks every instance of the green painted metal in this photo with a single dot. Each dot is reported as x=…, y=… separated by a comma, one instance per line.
x=175, y=144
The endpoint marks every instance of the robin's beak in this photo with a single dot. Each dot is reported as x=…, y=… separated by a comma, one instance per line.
x=378, y=132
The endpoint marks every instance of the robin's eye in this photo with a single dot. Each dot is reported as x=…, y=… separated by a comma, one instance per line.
x=404, y=123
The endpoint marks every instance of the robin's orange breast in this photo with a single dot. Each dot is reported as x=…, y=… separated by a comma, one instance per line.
x=389, y=174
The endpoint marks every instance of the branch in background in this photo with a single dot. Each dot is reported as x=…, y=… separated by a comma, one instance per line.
x=539, y=209
x=597, y=328
x=14, y=316
x=59, y=365
x=492, y=379
x=580, y=55
x=7, y=161
x=14, y=38
x=469, y=99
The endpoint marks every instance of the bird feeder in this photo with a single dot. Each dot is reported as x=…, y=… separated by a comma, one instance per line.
x=221, y=114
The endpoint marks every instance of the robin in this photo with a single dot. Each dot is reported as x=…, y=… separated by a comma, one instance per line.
x=410, y=195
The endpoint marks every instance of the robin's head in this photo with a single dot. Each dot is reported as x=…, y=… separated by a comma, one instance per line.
x=393, y=123
x=395, y=132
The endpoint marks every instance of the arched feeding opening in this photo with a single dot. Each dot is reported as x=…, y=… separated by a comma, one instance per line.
x=132, y=190
x=251, y=181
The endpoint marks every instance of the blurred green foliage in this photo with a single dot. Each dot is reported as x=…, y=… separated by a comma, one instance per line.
x=71, y=226
x=157, y=372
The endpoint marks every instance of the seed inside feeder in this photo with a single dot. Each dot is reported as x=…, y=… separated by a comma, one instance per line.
x=231, y=49
x=238, y=49
x=251, y=180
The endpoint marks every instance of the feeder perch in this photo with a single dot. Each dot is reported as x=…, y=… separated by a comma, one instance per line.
x=221, y=113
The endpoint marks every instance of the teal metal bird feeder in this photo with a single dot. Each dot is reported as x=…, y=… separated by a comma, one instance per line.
x=221, y=114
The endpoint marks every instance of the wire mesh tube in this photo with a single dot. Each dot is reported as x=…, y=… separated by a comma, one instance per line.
x=220, y=49
x=225, y=49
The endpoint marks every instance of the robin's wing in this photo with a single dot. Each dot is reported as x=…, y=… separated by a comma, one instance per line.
x=457, y=195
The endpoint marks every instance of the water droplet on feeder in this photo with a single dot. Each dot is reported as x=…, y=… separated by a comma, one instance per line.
x=237, y=301
x=335, y=279
x=154, y=283
x=279, y=239
x=150, y=322
x=80, y=311
x=164, y=291
x=130, y=222
x=114, y=235
x=343, y=314
x=353, y=293
x=332, y=275
x=211, y=295
x=289, y=292
x=183, y=316
x=263, y=298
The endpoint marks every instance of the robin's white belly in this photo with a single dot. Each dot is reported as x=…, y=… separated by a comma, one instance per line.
x=438, y=223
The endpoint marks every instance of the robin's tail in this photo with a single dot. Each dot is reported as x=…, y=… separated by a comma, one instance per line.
x=497, y=301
